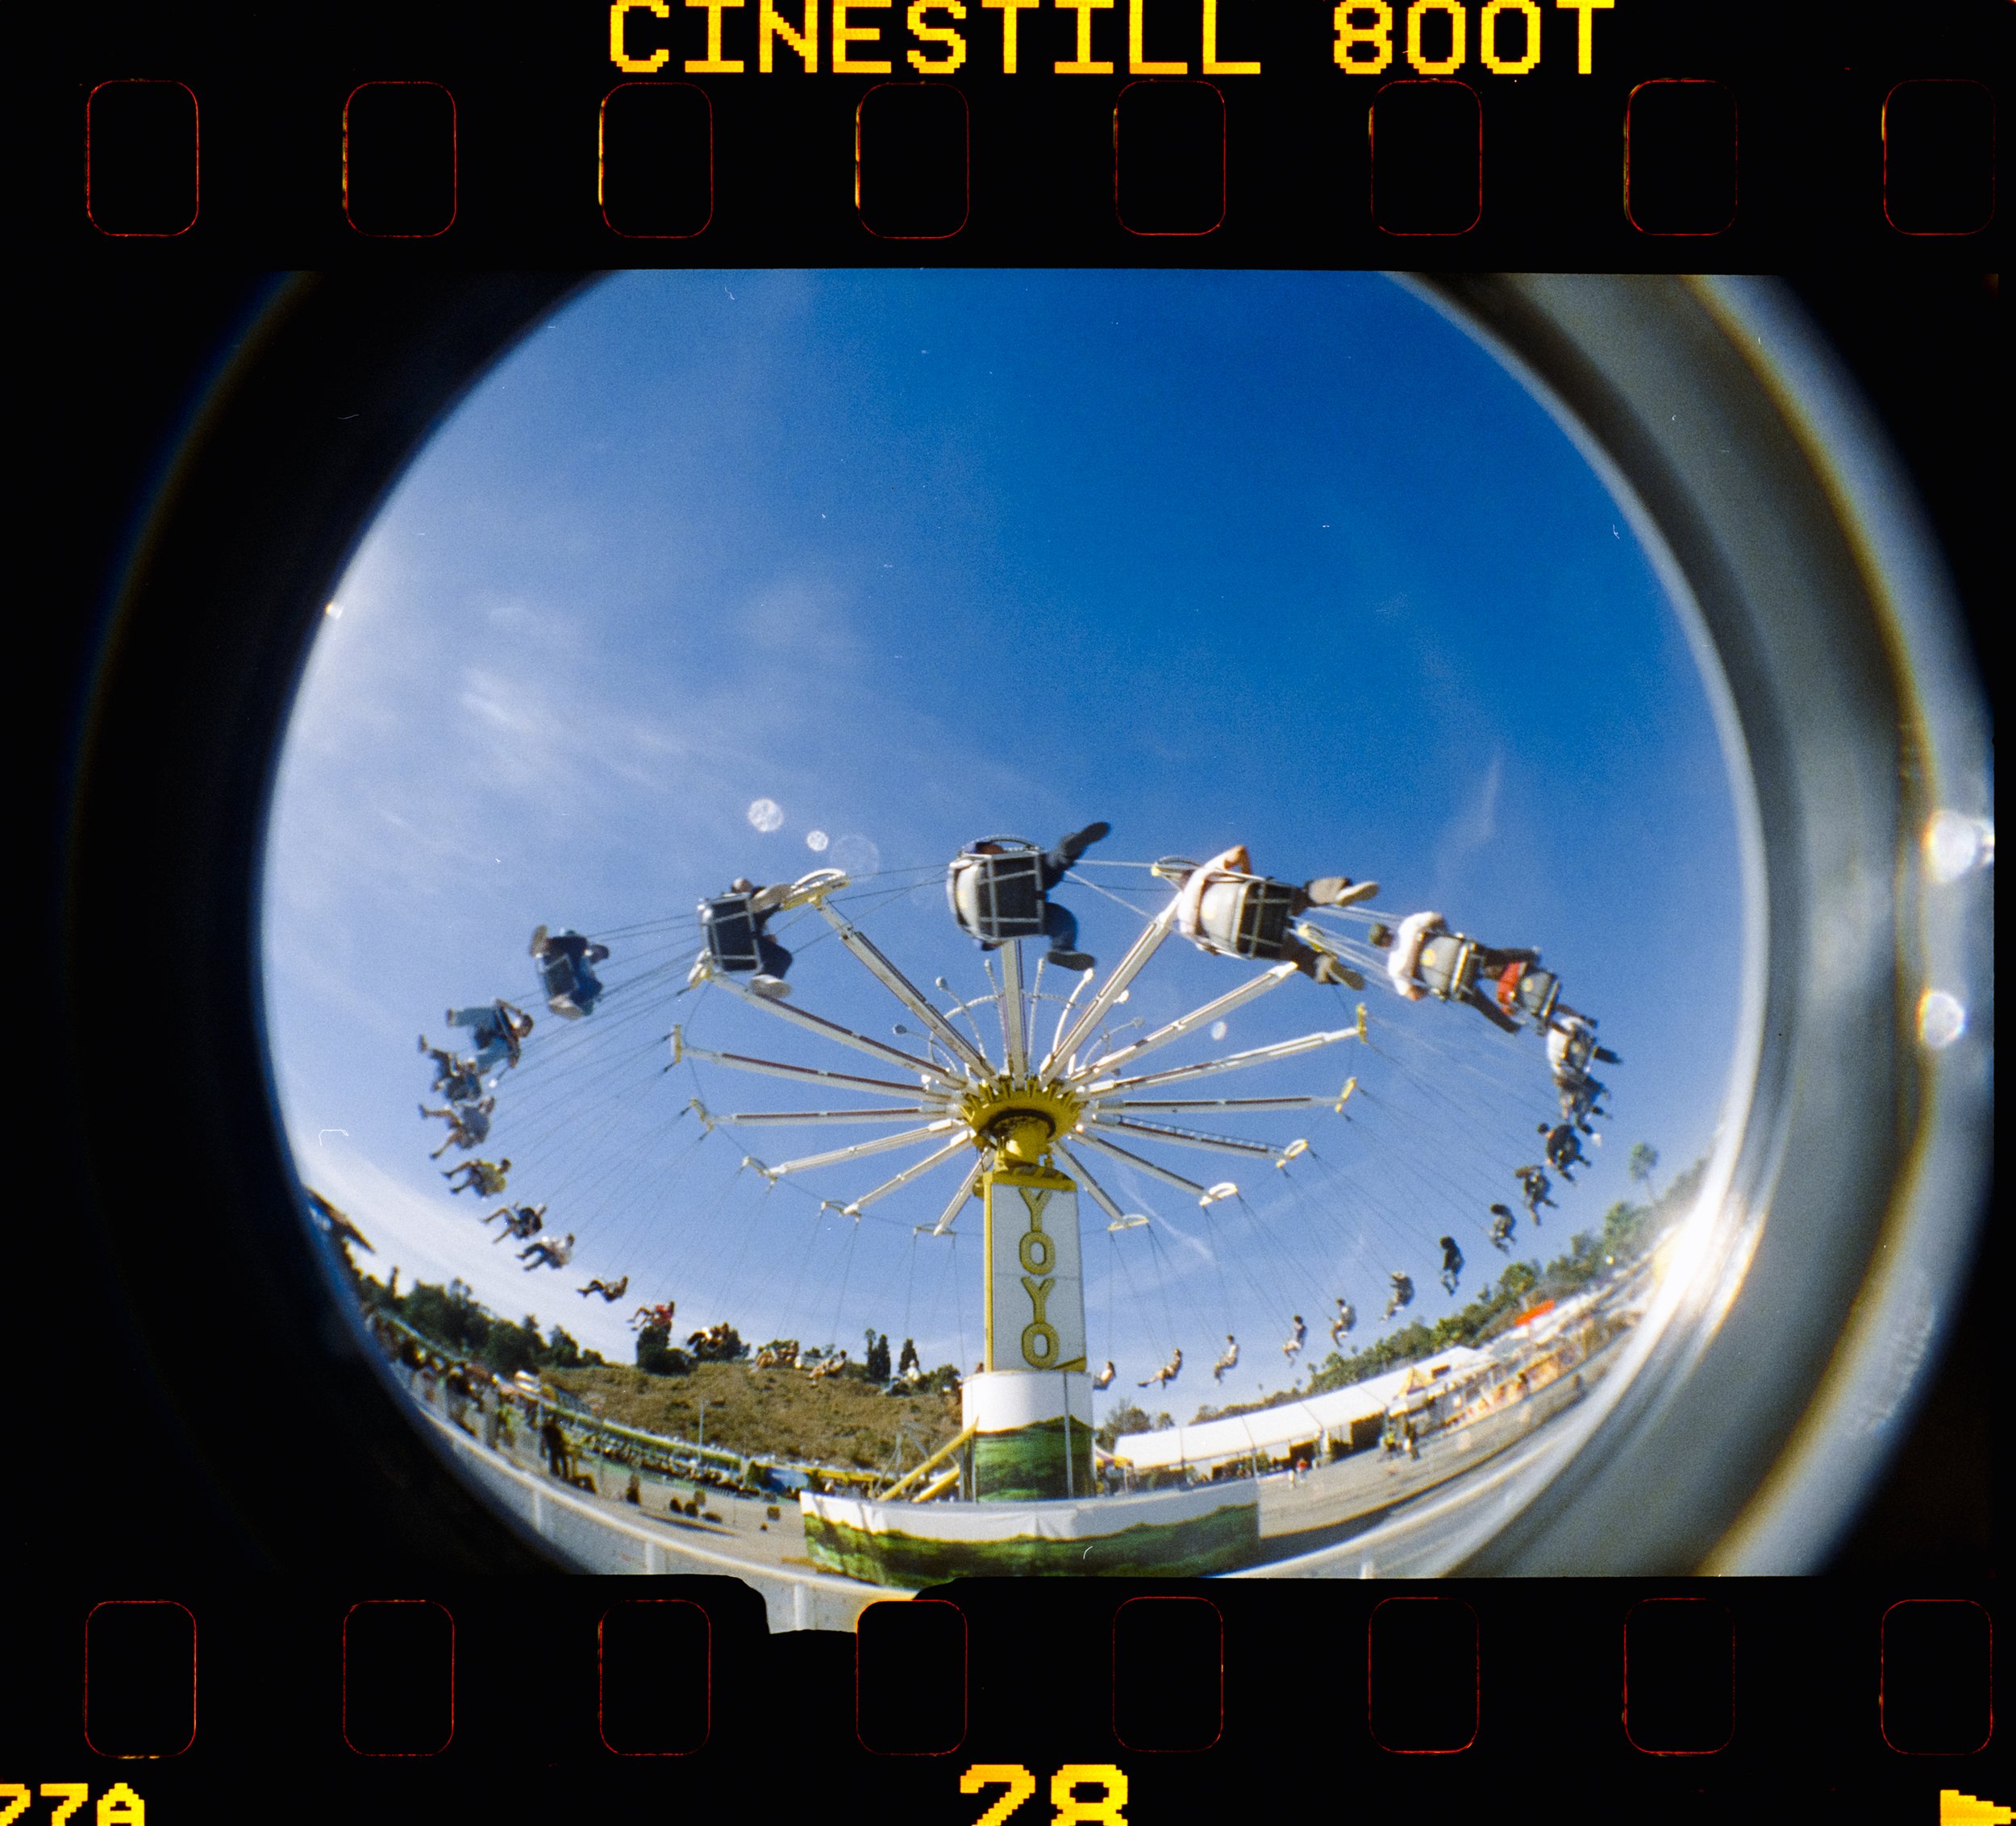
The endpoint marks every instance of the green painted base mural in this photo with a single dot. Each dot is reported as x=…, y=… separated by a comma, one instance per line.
x=1028, y=1465
x=1220, y=1541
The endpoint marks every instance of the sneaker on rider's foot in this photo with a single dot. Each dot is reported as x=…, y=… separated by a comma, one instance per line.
x=539, y=940
x=1080, y=841
x=774, y=986
x=563, y=1007
x=1339, y=891
x=1070, y=960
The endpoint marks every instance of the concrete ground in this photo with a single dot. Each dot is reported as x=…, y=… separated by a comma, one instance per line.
x=1333, y=1502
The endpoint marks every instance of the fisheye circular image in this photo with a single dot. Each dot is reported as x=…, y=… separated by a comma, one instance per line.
x=919, y=924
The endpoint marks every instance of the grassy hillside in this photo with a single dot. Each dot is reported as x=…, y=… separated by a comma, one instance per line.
x=782, y=1413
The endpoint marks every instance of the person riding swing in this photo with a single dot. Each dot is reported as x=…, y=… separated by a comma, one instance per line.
x=998, y=889
x=1222, y=907
x=497, y=1031
x=1425, y=958
x=486, y=1178
x=734, y=928
x=1534, y=1187
x=564, y=959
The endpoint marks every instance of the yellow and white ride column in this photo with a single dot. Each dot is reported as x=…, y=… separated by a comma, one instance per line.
x=1031, y=1405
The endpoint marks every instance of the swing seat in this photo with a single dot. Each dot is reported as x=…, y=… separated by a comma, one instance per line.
x=1536, y=992
x=557, y=975
x=729, y=929
x=1449, y=965
x=996, y=898
x=1247, y=916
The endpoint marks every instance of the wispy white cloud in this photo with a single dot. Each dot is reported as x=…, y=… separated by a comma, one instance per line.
x=1474, y=828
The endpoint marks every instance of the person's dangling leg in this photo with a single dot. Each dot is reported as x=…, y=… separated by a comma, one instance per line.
x=1318, y=966
x=1490, y=1010
x=775, y=961
x=1061, y=927
x=1067, y=850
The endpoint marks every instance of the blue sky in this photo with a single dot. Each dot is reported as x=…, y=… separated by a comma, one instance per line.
x=1282, y=559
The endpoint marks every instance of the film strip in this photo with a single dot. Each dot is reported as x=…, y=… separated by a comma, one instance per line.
x=1121, y=1701
x=349, y=1628
x=1627, y=136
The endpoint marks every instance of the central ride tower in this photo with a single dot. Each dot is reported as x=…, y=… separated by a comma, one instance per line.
x=1030, y=1407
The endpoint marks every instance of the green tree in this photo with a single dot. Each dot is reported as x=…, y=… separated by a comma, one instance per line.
x=1642, y=1164
x=561, y=1351
x=656, y=1356
x=511, y=1348
x=1127, y=1417
x=1623, y=1226
x=1518, y=1281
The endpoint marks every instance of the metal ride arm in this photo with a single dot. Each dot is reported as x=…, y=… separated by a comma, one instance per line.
x=1147, y=1166
x=1100, y=1195
x=1015, y=1049
x=1063, y=1017
x=811, y=890
x=1189, y=1023
x=777, y=1068
x=833, y=1115
x=1183, y=1137
x=880, y=1145
x=856, y=1207
x=846, y=1037
x=1232, y=1062
x=905, y=992
x=950, y=1215
x=1143, y=948
x=1210, y=1103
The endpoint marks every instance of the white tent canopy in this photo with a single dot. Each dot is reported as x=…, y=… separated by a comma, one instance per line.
x=1272, y=1430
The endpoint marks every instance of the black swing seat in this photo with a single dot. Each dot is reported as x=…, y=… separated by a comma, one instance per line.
x=558, y=975
x=729, y=928
x=564, y=972
x=998, y=898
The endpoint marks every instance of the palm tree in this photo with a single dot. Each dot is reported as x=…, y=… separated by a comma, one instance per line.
x=1642, y=1164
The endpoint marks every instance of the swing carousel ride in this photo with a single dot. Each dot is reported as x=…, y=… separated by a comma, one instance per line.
x=1041, y=1085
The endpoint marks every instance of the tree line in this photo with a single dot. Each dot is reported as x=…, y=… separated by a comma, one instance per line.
x=458, y=1325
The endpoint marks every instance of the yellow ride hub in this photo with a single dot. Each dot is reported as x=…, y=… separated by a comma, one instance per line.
x=1019, y=1117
